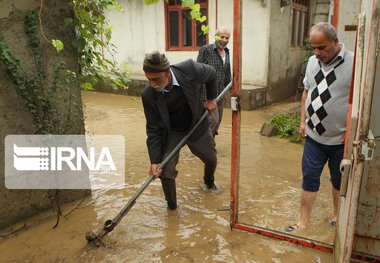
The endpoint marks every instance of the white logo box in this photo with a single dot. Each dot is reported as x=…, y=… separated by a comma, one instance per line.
x=64, y=161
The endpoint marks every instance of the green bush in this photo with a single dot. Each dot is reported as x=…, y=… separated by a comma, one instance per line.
x=288, y=126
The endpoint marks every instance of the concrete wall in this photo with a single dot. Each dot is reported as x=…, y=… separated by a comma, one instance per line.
x=18, y=204
x=284, y=62
x=348, y=16
x=321, y=11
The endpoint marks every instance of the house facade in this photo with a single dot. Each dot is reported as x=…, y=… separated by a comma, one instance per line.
x=273, y=35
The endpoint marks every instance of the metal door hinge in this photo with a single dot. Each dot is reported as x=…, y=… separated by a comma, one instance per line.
x=367, y=147
x=235, y=102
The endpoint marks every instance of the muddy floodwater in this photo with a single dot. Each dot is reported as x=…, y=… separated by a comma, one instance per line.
x=199, y=230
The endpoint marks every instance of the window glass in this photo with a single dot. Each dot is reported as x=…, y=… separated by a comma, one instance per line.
x=302, y=28
x=292, y=27
x=174, y=36
x=182, y=32
x=299, y=17
x=296, y=28
x=187, y=28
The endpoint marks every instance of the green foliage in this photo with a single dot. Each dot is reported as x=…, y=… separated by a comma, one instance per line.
x=309, y=51
x=188, y=3
x=86, y=86
x=93, y=39
x=288, y=126
x=151, y=2
x=93, y=35
x=57, y=44
x=195, y=13
x=205, y=29
x=50, y=104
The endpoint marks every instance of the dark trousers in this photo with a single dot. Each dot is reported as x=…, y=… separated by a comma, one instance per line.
x=215, y=118
x=202, y=146
x=314, y=158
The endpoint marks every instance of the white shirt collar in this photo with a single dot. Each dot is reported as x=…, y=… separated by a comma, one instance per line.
x=174, y=82
x=339, y=57
x=174, y=79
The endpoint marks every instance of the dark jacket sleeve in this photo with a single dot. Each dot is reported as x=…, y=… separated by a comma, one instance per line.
x=154, y=127
x=206, y=74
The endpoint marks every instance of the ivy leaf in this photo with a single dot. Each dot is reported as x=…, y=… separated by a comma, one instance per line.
x=69, y=21
x=79, y=43
x=202, y=19
x=118, y=8
x=84, y=15
x=85, y=33
x=94, y=80
x=196, y=7
x=86, y=86
x=188, y=3
x=151, y=2
x=57, y=44
x=205, y=29
x=195, y=14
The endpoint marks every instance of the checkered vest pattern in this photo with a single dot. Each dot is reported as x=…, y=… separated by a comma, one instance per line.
x=319, y=96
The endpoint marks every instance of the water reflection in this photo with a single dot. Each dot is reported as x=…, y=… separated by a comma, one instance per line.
x=270, y=180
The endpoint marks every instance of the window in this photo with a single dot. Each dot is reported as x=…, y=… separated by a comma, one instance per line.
x=182, y=32
x=299, y=22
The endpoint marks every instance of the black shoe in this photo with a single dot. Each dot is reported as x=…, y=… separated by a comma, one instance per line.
x=211, y=185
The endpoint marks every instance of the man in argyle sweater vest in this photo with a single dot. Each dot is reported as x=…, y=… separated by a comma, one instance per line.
x=324, y=108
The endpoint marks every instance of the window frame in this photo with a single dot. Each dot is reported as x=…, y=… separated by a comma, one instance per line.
x=296, y=36
x=168, y=8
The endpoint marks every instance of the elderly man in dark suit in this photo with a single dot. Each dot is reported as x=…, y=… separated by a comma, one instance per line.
x=172, y=106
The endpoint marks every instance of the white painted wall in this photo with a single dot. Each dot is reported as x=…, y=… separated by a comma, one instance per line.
x=141, y=29
x=255, y=43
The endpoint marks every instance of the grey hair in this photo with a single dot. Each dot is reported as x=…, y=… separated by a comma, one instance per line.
x=222, y=28
x=325, y=28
